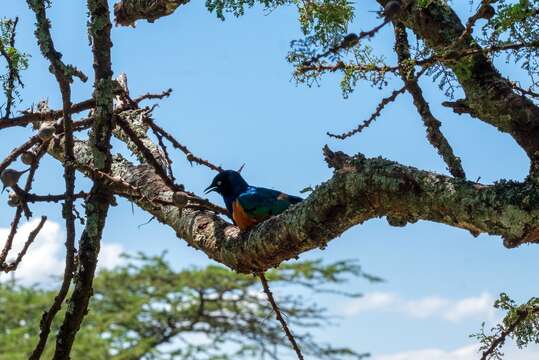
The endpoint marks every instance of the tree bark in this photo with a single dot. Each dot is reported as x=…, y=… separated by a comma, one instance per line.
x=127, y=12
x=98, y=202
x=360, y=189
x=488, y=94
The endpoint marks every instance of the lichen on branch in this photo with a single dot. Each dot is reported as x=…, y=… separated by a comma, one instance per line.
x=127, y=12
x=360, y=189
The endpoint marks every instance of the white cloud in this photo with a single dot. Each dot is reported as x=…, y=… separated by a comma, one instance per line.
x=470, y=307
x=464, y=353
x=468, y=352
x=422, y=308
x=109, y=256
x=425, y=307
x=45, y=258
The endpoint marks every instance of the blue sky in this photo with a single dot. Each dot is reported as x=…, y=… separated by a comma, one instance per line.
x=234, y=102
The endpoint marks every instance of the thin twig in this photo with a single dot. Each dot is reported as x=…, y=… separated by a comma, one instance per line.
x=190, y=157
x=341, y=65
x=348, y=41
x=64, y=76
x=158, y=169
x=147, y=155
x=18, y=213
x=459, y=54
x=150, y=96
x=31, y=237
x=452, y=55
x=15, y=153
x=523, y=91
x=12, y=232
x=371, y=118
x=432, y=124
x=22, y=203
x=164, y=149
x=28, y=117
x=33, y=198
x=279, y=316
x=482, y=12
x=381, y=105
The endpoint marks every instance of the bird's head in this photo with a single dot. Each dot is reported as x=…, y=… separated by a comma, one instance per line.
x=228, y=183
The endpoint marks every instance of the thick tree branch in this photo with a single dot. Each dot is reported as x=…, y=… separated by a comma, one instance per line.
x=98, y=201
x=360, y=189
x=127, y=12
x=488, y=94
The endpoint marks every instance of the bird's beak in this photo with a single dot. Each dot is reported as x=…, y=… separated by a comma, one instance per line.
x=210, y=188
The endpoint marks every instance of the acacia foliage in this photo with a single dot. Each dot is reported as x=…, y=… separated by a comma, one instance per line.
x=147, y=310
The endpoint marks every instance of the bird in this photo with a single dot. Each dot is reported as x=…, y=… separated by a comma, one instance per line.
x=249, y=205
x=10, y=177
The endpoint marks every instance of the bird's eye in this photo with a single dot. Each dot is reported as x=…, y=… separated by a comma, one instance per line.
x=218, y=183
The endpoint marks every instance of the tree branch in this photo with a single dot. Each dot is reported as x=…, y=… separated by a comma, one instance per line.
x=15, y=153
x=160, y=132
x=29, y=117
x=279, y=316
x=13, y=72
x=31, y=237
x=347, y=42
x=98, y=201
x=360, y=189
x=500, y=340
x=365, y=124
x=18, y=213
x=488, y=94
x=64, y=76
x=434, y=134
x=127, y=12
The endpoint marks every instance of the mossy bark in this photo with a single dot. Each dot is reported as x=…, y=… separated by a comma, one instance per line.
x=489, y=95
x=360, y=189
x=99, y=199
x=127, y=12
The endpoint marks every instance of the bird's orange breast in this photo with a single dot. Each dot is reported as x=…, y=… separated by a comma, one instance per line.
x=240, y=217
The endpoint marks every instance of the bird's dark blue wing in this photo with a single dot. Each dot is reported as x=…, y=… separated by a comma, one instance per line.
x=261, y=203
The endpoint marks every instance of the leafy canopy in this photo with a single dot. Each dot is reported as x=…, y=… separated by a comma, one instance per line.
x=147, y=310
